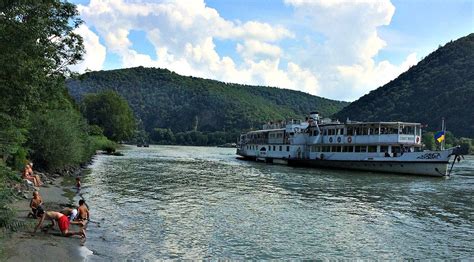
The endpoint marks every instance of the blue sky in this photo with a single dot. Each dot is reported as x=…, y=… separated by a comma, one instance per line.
x=338, y=49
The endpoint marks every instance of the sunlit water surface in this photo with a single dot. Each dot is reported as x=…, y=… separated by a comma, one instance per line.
x=172, y=202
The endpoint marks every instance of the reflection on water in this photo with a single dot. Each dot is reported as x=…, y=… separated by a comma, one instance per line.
x=170, y=202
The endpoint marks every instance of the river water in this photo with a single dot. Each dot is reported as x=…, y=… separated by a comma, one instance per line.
x=172, y=202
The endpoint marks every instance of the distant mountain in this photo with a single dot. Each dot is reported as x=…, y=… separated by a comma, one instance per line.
x=163, y=99
x=441, y=85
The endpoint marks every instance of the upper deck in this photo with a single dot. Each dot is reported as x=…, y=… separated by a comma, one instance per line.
x=366, y=133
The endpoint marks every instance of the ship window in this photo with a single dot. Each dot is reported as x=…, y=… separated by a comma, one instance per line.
x=417, y=149
x=347, y=149
x=287, y=148
x=336, y=149
x=365, y=131
x=350, y=131
x=269, y=148
x=372, y=149
x=273, y=148
x=326, y=148
x=395, y=149
x=363, y=149
x=357, y=148
x=280, y=148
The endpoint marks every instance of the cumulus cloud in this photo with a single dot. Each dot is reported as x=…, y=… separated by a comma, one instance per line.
x=345, y=59
x=95, y=54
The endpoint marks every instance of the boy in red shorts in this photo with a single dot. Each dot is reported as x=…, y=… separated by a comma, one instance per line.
x=63, y=223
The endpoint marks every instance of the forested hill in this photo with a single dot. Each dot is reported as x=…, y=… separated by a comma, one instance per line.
x=163, y=99
x=441, y=85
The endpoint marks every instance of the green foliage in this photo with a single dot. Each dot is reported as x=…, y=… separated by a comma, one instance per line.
x=58, y=138
x=429, y=141
x=8, y=222
x=163, y=136
x=95, y=130
x=164, y=100
x=102, y=143
x=111, y=112
x=18, y=160
x=441, y=85
x=37, y=44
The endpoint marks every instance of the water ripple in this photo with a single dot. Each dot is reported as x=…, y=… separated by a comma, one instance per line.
x=167, y=202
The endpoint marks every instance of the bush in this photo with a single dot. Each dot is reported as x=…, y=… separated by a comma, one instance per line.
x=58, y=138
x=102, y=143
x=8, y=220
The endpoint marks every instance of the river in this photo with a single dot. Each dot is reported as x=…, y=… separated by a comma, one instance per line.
x=174, y=202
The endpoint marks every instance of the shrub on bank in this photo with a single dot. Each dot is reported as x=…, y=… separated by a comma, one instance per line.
x=58, y=138
x=7, y=194
x=100, y=142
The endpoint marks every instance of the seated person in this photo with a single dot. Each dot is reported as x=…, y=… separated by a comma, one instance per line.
x=36, y=205
x=63, y=223
x=387, y=154
x=28, y=175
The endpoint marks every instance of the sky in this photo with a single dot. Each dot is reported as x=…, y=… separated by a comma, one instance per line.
x=338, y=49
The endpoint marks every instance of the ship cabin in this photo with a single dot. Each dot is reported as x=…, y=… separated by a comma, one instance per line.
x=371, y=138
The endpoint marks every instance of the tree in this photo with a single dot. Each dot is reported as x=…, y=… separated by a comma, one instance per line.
x=37, y=43
x=111, y=112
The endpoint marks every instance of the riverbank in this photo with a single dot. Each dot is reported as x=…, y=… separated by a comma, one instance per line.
x=25, y=246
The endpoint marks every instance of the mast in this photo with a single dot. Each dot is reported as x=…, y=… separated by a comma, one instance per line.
x=443, y=128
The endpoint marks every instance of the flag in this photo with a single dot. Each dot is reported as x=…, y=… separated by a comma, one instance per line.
x=439, y=136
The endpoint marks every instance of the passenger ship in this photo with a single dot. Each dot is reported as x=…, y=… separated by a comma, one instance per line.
x=393, y=147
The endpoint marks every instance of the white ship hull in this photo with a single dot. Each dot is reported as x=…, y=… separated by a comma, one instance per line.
x=381, y=164
x=399, y=167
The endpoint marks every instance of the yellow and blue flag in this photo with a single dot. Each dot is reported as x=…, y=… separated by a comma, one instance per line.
x=439, y=136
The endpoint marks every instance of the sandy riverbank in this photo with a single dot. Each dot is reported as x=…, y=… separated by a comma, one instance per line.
x=24, y=246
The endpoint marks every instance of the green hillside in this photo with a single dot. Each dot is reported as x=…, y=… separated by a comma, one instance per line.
x=163, y=99
x=441, y=85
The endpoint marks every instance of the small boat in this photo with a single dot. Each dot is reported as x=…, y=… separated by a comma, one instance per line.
x=393, y=147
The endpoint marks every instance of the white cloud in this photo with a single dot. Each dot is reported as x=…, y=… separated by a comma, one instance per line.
x=345, y=60
x=376, y=75
x=252, y=49
x=184, y=33
x=94, y=56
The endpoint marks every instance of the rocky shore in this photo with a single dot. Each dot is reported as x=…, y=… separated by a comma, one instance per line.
x=57, y=192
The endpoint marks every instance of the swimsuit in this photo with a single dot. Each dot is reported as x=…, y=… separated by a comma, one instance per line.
x=63, y=223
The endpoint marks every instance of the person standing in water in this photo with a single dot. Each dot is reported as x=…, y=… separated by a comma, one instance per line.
x=83, y=211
